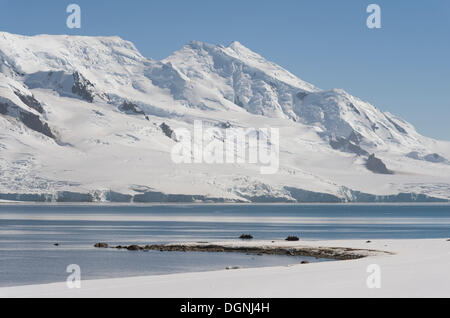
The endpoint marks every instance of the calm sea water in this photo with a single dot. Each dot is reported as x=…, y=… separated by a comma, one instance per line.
x=28, y=232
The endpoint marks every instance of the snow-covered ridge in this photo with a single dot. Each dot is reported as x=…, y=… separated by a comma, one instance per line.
x=90, y=116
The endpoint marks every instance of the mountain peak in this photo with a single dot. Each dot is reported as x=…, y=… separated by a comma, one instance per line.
x=42, y=53
x=236, y=45
x=61, y=37
x=237, y=49
x=241, y=50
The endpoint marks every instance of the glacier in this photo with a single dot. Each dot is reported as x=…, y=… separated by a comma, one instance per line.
x=89, y=119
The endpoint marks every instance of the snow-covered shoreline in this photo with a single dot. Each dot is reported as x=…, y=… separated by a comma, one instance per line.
x=418, y=268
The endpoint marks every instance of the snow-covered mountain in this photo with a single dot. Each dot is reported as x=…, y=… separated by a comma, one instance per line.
x=91, y=119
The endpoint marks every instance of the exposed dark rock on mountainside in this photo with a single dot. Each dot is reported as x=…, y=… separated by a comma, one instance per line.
x=3, y=108
x=167, y=130
x=301, y=95
x=397, y=126
x=34, y=122
x=377, y=165
x=433, y=158
x=131, y=108
x=29, y=119
x=83, y=88
x=346, y=145
x=30, y=101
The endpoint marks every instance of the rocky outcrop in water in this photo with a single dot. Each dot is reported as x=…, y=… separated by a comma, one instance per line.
x=101, y=245
x=318, y=252
x=134, y=248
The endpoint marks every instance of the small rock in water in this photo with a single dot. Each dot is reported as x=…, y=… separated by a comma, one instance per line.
x=292, y=238
x=56, y=244
x=134, y=248
x=246, y=237
x=232, y=267
x=304, y=262
x=101, y=245
x=369, y=242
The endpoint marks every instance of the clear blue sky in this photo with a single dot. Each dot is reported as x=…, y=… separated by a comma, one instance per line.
x=403, y=68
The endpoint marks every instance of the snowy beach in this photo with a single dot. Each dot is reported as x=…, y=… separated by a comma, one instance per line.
x=416, y=268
